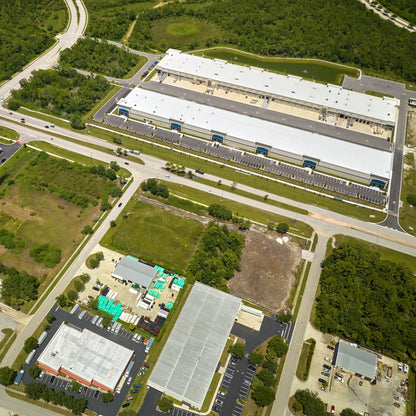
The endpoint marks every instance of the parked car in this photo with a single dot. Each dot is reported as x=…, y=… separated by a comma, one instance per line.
x=129, y=398
x=321, y=380
x=330, y=347
x=322, y=388
x=399, y=367
x=137, y=386
x=327, y=367
x=333, y=409
x=328, y=359
x=126, y=405
x=324, y=373
x=134, y=391
x=341, y=380
x=405, y=368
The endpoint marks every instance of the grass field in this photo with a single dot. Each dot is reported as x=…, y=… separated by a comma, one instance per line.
x=154, y=235
x=250, y=212
x=179, y=32
x=9, y=133
x=232, y=174
x=316, y=70
x=385, y=253
x=38, y=216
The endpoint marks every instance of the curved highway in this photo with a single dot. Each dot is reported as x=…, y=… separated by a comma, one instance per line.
x=75, y=28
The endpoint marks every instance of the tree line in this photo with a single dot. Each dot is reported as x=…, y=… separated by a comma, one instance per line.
x=36, y=390
x=338, y=31
x=99, y=58
x=368, y=300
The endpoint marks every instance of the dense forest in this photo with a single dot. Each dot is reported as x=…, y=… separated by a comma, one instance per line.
x=27, y=27
x=63, y=92
x=99, y=58
x=368, y=300
x=110, y=19
x=217, y=256
x=402, y=8
x=339, y=31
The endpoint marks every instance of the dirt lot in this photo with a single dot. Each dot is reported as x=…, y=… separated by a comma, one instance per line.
x=268, y=270
x=411, y=129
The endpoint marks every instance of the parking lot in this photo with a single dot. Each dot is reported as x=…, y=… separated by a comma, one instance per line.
x=236, y=383
x=93, y=396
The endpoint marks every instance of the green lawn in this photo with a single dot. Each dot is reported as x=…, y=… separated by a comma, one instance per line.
x=316, y=70
x=9, y=133
x=179, y=32
x=407, y=216
x=154, y=235
x=385, y=253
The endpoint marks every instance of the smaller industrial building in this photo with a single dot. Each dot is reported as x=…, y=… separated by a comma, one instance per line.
x=131, y=270
x=193, y=350
x=356, y=360
x=85, y=357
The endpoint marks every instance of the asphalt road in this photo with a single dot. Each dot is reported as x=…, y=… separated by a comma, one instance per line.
x=398, y=90
x=7, y=151
x=269, y=115
x=284, y=390
x=74, y=30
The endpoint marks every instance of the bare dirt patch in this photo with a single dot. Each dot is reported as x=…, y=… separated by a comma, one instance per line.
x=411, y=129
x=268, y=270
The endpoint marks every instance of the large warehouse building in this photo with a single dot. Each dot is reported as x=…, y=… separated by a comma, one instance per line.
x=86, y=357
x=286, y=89
x=334, y=156
x=193, y=350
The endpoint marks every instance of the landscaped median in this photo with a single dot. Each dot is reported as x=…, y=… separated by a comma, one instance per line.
x=305, y=359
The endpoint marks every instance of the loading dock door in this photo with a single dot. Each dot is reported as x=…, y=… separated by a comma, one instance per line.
x=379, y=183
x=175, y=126
x=123, y=112
x=262, y=150
x=309, y=164
x=217, y=138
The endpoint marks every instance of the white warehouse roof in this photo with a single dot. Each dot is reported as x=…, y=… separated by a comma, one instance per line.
x=86, y=355
x=269, y=83
x=327, y=149
x=190, y=356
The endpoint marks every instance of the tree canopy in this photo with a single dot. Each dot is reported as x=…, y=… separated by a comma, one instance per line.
x=362, y=295
x=339, y=31
x=99, y=57
x=27, y=28
x=217, y=256
x=62, y=91
x=7, y=376
x=238, y=350
x=312, y=405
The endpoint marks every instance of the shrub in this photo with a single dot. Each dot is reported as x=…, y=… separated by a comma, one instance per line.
x=72, y=295
x=165, y=404
x=256, y=357
x=220, y=211
x=263, y=396
x=278, y=344
x=35, y=371
x=46, y=254
x=266, y=376
x=87, y=230
x=79, y=286
x=30, y=344
x=411, y=199
x=238, y=350
x=312, y=405
x=7, y=376
x=282, y=228
x=107, y=397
